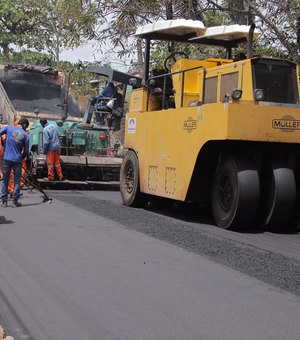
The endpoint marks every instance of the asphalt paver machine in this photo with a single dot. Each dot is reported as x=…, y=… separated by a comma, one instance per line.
x=88, y=153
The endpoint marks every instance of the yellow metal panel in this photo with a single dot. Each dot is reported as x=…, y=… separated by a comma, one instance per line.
x=170, y=180
x=246, y=80
x=192, y=79
x=236, y=68
x=191, y=89
x=264, y=122
x=152, y=178
x=138, y=100
x=167, y=144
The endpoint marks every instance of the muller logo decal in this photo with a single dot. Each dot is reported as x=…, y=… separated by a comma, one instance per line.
x=190, y=124
x=286, y=123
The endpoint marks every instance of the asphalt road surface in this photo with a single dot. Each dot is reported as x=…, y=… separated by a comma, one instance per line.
x=85, y=267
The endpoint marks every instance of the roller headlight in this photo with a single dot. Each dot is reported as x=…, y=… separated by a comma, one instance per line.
x=236, y=94
x=259, y=94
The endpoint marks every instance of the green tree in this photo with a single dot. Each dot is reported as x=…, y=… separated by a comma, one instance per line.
x=18, y=23
x=66, y=24
x=277, y=20
x=46, y=25
x=120, y=19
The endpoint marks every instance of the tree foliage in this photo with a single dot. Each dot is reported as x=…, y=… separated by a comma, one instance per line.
x=278, y=22
x=53, y=25
x=46, y=25
x=18, y=23
x=276, y=19
x=66, y=24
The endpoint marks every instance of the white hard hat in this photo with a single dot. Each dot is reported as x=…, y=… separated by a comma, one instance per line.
x=110, y=104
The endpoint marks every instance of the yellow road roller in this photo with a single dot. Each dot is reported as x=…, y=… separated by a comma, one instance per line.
x=217, y=131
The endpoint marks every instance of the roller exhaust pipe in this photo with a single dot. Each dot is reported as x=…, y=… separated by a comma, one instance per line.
x=250, y=42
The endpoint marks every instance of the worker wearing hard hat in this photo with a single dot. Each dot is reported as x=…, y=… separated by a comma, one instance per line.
x=51, y=147
x=16, y=149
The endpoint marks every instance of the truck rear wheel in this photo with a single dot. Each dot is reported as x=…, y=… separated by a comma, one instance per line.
x=130, y=182
x=235, y=193
x=281, y=193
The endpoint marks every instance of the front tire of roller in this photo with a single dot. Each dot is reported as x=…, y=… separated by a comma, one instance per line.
x=130, y=182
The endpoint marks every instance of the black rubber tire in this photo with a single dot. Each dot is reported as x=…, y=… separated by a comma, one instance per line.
x=281, y=193
x=130, y=182
x=235, y=193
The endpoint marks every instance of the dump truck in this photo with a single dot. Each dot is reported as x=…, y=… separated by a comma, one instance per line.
x=90, y=148
x=221, y=132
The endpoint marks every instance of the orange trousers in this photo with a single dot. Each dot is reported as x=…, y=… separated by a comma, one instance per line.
x=53, y=165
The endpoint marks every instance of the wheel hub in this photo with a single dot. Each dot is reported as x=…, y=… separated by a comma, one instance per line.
x=129, y=179
x=226, y=193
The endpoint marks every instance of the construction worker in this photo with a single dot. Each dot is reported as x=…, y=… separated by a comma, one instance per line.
x=11, y=176
x=2, y=141
x=16, y=141
x=51, y=147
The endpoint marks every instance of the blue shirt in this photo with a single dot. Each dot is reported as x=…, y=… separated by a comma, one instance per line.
x=50, y=138
x=16, y=141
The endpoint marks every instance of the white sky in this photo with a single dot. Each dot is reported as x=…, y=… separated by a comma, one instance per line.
x=84, y=53
x=88, y=53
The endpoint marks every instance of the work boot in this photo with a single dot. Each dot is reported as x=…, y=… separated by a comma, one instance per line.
x=16, y=205
x=4, y=204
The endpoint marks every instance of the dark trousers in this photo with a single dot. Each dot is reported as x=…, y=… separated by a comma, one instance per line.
x=7, y=166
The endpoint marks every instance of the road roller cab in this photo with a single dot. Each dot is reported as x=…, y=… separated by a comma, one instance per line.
x=230, y=137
